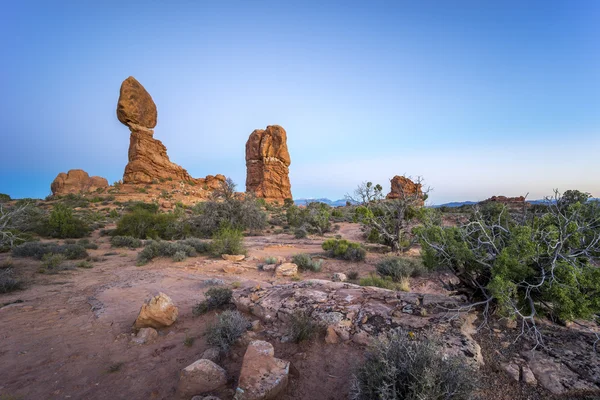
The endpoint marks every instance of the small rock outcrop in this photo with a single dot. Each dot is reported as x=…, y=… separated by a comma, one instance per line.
x=145, y=335
x=148, y=159
x=403, y=187
x=286, y=269
x=267, y=164
x=520, y=200
x=202, y=376
x=77, y=181
x=158, y=312
x=262, y=376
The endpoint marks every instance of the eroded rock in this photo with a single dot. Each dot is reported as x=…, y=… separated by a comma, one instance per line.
x=286, y=269
x=262, y=376
x=145, y=335
x=158, y=312
x=77, y=181
x=202, y=376
x=402, y=187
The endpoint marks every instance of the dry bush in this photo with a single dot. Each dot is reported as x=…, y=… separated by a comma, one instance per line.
x=226, y=330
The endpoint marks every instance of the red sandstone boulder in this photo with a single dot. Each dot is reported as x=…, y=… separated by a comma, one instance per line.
x=135, y=106
x=77, y=181
x=267, y=164
x=402, y=187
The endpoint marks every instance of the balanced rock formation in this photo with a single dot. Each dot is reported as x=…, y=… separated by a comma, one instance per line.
x=148, y=159
x=402, y=187
x=77, y=181
x=267, y=164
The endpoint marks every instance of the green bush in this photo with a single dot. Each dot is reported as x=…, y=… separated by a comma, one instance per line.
x=385, y=282
x=352, y=275
x=240, y=214
x=300, y=233
x=216, y=297
x=84, y=264
x=8, y=283
x=200, y=246
x=343, y=249
x=271, y=260
x=4, y=198
x=63, y=224
x=398, y=268
x=303, y=326
x=155, y=249
x=314, y=218
x=306, y=263
x=38, y=250
x=402, y=367
x=142, y=224
x=179, y=256
x=125, y=241
x=227, y=241
x=53, y=262
x=86, y=244
x=226, y=330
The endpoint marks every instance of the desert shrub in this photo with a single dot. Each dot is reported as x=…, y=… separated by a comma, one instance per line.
x=300, y=233
x=402, y=366
x=525, y=265
x=271, y=260
x=87, y=244
x=352, y=275
x=398, y=268
x=142, y=223
x=4, y=198
x=8, y=283
x=38, y=250
x=125, y=241
x=216, y=297
x=179, y=256
x=200, y=246
x=63, y=224
x=306, y=263
x=344, y=249
x=155, y=249
x=228, y=327
x=314, y=218
x=303, y=326
x=385, y=282
x=53, y=262
x=84, y=264
x=227, y=241
x=113, y=214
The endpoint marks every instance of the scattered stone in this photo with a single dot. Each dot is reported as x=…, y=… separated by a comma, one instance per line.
x=269, y=267
x=256, y=325
x=145, y=335
x=331, y=337
x=233, y=257
x=286, y=269
x=233, y=269
x=77, y=181
x=512, y=370
x=361, y=338
x=339, y=277
x=212, y=353
x=262, y=376
x=201, y=377
x=267, y=164
x=528, y=376
x=158, y=312
x=166, y=205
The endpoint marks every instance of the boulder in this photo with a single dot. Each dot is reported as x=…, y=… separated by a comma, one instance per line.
x=286, y=269
x=212, y=353
x=331, y=337
x=339, y=277
x=233, y=257
x=157, y=312
x=267, y=164
x=262, y=376
x=145, y=335
x=233, y=269
x=77, y=181
x=202, y=376
x=404, y=188
x=135, y=106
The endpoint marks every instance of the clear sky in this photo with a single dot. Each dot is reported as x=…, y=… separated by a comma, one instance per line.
x=481, y=98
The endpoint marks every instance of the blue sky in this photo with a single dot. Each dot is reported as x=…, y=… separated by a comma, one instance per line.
x=478, y=97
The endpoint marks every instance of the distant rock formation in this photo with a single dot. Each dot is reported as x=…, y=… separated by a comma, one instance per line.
x=148, y=159
x=77, y=181
x=267, y=164
x=402, y=186
x=505, y=200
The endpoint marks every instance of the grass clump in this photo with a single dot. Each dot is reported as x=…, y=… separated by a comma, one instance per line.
x=385, y=282
x=228, y=327
x=125, y=241
x=84, y=264
x=8, y=283
x=303, y=326
x=399, y=268
x=37, y=250
x=227, y=241
x=306, y=263
x=343, y=249
x=155, y=249
x=216, y=297
x=401, y=366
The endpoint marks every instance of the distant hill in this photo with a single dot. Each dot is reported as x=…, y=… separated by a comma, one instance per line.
x=332, y=203
x=456, y=204
x=342, y=202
